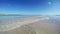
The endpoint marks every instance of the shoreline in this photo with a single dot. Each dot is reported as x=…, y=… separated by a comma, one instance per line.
x=19, y=22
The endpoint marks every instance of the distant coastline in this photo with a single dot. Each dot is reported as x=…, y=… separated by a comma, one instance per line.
x=17, y=15
x=10, y=15
x=24, y=15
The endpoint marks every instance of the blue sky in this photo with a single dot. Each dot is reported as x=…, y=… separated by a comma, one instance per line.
x=30, y=7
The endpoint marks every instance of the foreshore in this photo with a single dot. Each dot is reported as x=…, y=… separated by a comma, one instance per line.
x=38, y=24
x=13, y=23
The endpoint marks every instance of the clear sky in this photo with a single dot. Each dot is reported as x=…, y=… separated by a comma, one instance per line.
x=30, y=7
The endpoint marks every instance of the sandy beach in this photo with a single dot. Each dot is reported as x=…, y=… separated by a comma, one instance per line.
x=30, y=25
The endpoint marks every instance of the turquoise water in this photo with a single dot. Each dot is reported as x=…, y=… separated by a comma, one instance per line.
x=4, y=17
x=9, y=17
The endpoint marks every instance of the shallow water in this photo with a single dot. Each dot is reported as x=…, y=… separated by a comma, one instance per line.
x=3, y=19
